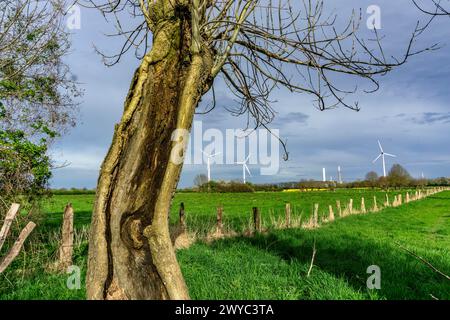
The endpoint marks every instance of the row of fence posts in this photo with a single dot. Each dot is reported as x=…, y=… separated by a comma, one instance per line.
x=257, y=224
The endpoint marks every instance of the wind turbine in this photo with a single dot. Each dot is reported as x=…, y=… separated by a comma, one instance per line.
x=245, y=168
x=208, y=162
x=382, y=156
x=339, y=175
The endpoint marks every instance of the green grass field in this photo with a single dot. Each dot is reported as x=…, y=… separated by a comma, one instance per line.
x=272, y=265
x=201, y=207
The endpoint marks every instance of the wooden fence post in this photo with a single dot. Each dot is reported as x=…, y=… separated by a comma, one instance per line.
x=288, y=215
x=182, y=214
x=387, y=204
x=395, y=202
x=66, y=246
x=339, y=208
x=256, y=219
x=363, y=205
x=350, y=206
x=375, y=205
x=219, y=228
x=316, y=215
x=407, y=198
x=331, y=216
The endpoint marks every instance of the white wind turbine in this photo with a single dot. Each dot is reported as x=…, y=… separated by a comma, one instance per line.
x=382, y=156
x=208, y=162
x=245, y=168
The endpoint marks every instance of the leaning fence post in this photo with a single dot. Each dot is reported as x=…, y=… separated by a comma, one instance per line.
x=12, y=212
x=256, y=219
x=17, y=246
x=288, y=215
x=375, y=205
x=12, y=254
x=387, y=201
x=66, y=246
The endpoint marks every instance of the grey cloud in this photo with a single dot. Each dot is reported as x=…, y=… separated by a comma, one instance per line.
x=427, y=118
x=292, y=117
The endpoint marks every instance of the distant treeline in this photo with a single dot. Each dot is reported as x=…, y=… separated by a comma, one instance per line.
x=398, y=177
x=72, y=191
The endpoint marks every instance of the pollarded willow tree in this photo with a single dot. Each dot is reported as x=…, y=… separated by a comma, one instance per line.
x=255, y=46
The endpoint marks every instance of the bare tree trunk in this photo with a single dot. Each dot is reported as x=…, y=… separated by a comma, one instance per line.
x=131, y=255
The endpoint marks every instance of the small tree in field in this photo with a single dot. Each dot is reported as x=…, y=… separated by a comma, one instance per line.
x=200, y=180
x=184, y=46
x=399, y=176
x=372, y=178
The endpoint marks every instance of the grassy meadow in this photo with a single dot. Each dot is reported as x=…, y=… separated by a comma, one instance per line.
x=237, y=207
x=272, y=265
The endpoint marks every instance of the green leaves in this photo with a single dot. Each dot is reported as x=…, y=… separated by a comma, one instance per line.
x=24, y=164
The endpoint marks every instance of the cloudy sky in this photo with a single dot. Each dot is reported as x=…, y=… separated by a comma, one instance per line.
x=410, y=114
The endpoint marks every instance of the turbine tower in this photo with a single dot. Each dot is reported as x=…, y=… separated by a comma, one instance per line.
x=382, y=156
x=324, y=175
x=339, y=175
x=208, y=162
x=245, y=168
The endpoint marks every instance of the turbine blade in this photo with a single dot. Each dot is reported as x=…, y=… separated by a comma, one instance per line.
x=248, y=170
x=379, y=156
x=379, y=144
x=390, y=155
x=247, y=158
x=215, y=154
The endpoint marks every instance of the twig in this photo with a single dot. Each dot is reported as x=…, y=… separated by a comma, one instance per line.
x=312, y=259
x=423, y=260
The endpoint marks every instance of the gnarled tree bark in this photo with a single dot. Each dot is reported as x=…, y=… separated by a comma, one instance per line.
x=131, y=255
